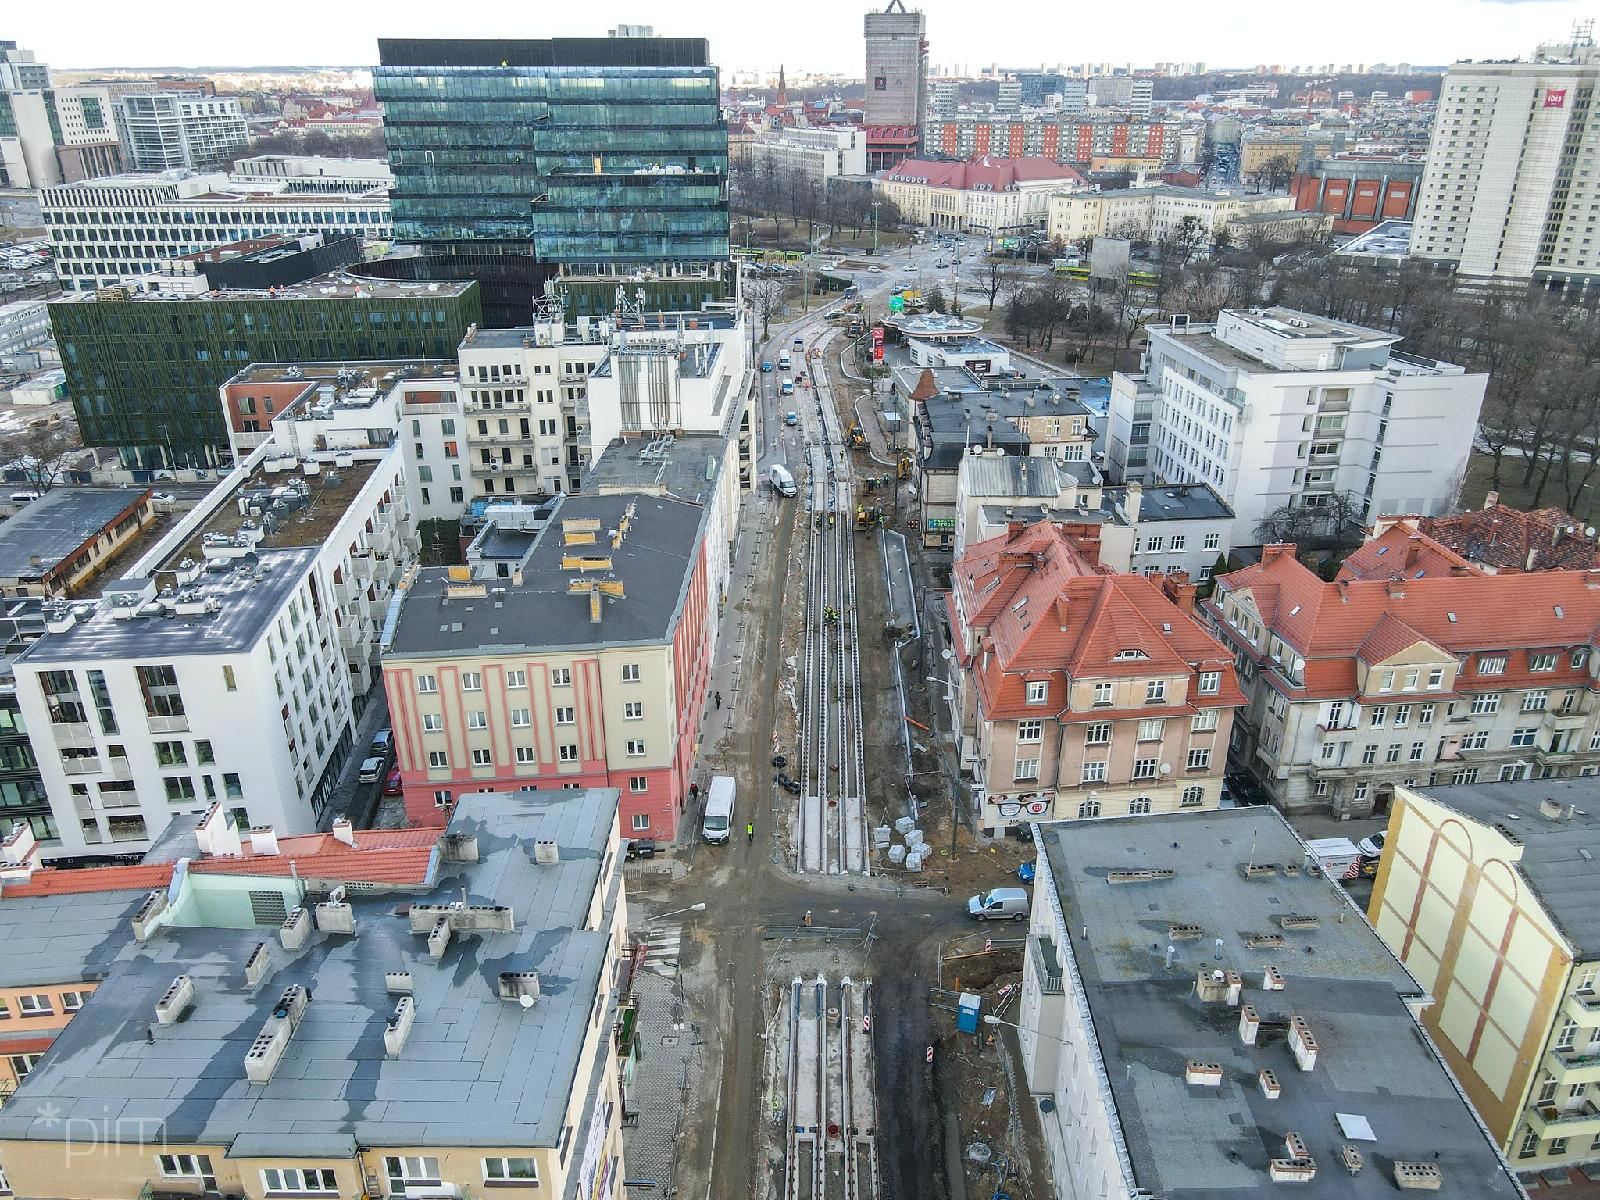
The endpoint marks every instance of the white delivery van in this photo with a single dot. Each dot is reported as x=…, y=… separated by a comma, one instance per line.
x=1338, y=857
x=784, y=362
x=782, y=481
x=717, y=822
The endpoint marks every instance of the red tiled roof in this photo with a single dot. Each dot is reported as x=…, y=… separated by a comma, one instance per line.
x=1400, y=552
x=56, y=881
x=1330, y=625
x=1050, y=614
x=1509, y=539
x=29, y=1043
x=990, y=174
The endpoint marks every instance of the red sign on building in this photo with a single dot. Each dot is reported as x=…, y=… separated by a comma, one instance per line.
x=877, y=343
x=1555, y=98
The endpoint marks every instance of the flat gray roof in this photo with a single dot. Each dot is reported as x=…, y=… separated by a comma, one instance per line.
x=685, y=465
x=56, y=525
x=654, y=564
x=476, y=1070
x=1373, y=1060
x=1558, y=856
x=1179, y=502
x=63, y=938
x=249, y=594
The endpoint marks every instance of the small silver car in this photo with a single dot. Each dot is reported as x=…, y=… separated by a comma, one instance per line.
x=999, y=904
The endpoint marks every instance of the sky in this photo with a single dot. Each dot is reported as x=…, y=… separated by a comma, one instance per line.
x=819, y=35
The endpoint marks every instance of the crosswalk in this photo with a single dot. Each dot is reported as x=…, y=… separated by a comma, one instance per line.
x=662, y=944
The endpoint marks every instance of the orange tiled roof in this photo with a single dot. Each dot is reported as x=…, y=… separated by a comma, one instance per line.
x=56, y=881
x=1046, y=613
x=1400, y=552
x=1509, y=539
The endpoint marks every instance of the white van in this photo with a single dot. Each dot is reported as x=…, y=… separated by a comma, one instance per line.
x=782, y=482
x=784, y=361
x=999, y=904
x=717, y=822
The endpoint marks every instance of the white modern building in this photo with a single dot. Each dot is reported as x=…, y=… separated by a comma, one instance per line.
x=23, y=323
x=1276, y=408
x=815, y=154
x=315, y=173
x=1202, y=1015
x=164, y=131
x=232, y=664
x=104, y=230
x=1510, y=191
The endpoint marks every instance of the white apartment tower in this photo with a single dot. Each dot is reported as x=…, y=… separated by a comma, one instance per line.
x=1511, y=190
x=162, y=131
x=1276, y=408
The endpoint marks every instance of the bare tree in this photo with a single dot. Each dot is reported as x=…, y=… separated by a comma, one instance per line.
x=768, y=297
x=40, y=455
x=994, y=277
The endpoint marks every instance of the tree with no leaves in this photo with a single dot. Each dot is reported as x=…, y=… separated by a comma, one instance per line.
x=41, y=455
x=769, y=296
x=1335, y=528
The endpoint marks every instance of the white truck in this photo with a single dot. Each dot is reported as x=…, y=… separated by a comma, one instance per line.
x=716, y=822
x=782, y=482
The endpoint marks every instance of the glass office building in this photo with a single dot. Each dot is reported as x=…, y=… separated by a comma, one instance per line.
x=583, y=156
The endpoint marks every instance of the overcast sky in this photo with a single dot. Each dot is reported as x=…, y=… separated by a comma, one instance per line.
x=816, y=34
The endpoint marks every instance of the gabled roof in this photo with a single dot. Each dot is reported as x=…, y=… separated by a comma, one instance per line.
x=1389, y=637
x=989, y=174
x=1509, y=539
x=1400, y=552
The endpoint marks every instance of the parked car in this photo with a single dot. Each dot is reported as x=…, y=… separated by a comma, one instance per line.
x=1372, y=847
x=875, y=269
x=371, y=769
x=391, y=785
x=383, y=741
x=641, y=848
x=999, y=904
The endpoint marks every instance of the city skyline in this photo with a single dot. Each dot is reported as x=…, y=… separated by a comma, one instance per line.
x=827, y=41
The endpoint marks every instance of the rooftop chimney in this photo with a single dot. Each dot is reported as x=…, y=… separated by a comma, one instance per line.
x=514, y=985
x=296, y=928
x=263, y=840
x=344, y=832
x=1490, y=499
x=1202, y=1074
x=255, y=967
x=144, y=921
x=1302, y=1044
x=398, y=1029
x=1134, y=500
x=1418, y=1176
x=217, y=834
x=336, y=916
x=1552, y=809
x=1276, y=551
x=176, y=1001
x=1297, y=1167
x=546, y=851
x=19, y=854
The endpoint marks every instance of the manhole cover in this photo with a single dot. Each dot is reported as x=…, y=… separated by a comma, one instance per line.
x=669, y=1040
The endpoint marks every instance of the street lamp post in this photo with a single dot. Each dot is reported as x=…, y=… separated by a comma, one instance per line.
x=700, y=907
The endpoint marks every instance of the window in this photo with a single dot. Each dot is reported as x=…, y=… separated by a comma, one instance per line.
x=1205, y=720
x=229, y=680
x=1478, y=740
x=1425, y=715
x=1087, y=809
x=159, y=685
x=1213, y=541
x=638, y=784
x=441, y=799
x=566, y=716
x=203, y=754
x=1402, y=715
x=471, y=681
x=1545, y=661
x=567, y=752
x=1417, y=751
x=1386, y=682
x=427, y=683
x=510, y=1172
x=1530, y=1145
x=516, y=679
x=412, y=1172
x=1369, y=754
x=1580, y=658
x=432, y=723
x=1210, y=682
x=635, y=748
x=1145, y=768
x=1180, y=541
x=1154, y=690
x=1094, y=772
x=1558, y=1145
x=72, y=1001
x=1154, y=544
x=1435, y=679
x=1523, y=737
x=35, y=1005
x=633, y=710
x=480, y=758
x=524, y=755
x=1392, y=754
x=1151, y=730
x=630, y=672
x=1491, y=664
x=1030, y=731
x=1380, y=715
x=1102, y=693
x=1535, y=701
x=1200, y=759
x=477, y=719
x=521, y=718
x=1097, y=733
x=1139, y=806
x=437, y=759
x=178, y=1166
x=1483, y=706
x=299, y=1181
x=561, y=676
x=1027, y=768
x=1192, y=797
x=171, y=754
x=1038, y=692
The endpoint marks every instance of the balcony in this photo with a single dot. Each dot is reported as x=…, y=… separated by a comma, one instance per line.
x=1046, y=965
x=81, y=766
x=1548, y=1120
x=177, y=724
x=73, y=734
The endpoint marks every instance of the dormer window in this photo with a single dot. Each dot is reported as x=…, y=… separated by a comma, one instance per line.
x=1128, y=655
x=1038, y=691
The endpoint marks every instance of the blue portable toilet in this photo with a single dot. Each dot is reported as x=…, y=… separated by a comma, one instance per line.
x=967, y=1006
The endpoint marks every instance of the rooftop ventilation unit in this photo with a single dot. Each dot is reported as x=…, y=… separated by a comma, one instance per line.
x=521, y=986
x=398, y=1028
x=176, y=1001
x=1140, y=875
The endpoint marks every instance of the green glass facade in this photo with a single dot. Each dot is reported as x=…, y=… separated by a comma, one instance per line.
x=588, y=152
x=143, y=374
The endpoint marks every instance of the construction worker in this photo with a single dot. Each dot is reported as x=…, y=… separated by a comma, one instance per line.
x=750, y=832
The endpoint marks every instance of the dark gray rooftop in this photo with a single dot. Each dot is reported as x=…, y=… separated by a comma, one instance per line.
x=63, y=938
x=654, y=564
x=476, y=1070
x=249, y=594
x=1558, y=856
x=1179, y=502
x=1373, y=1060
x=1017, y=475
x=685, y=466
x=55, y=525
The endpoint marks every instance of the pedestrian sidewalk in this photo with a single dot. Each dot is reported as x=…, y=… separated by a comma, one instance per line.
x=666, y=1075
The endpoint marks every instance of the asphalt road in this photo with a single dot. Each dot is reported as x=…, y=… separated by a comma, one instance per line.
x=746, y=892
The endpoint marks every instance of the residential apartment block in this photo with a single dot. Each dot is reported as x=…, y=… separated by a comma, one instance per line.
x=167, y=131
x=1485, y=893
x=1276, y=408
x=1080, y=139
x=573, y=650
x=1083, y=693
x=454, y=1044
x=897, y=66
x=816, y=155
x=1414, y=677
x=104, y=230
x=1509, y=191
x=231, y=664
x=996, y=196
x=1202, y=1016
